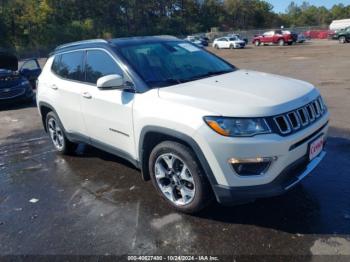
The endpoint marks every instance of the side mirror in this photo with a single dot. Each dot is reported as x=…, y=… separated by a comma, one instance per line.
x=111, y=82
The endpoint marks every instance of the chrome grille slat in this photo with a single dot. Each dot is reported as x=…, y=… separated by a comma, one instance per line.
x=310, y=112
x=297, y=121
x=301, y=117
x=282, y=129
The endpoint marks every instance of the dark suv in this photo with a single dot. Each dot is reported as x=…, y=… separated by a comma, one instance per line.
x=343, y=35
x=17, y=85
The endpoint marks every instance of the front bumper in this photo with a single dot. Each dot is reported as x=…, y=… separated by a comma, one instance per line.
x=290, y=165
x=9, y=95
x=289, y=178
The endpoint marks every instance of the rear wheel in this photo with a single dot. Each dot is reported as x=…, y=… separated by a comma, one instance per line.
x=281, y=42
x=57, y=135
x=216, y=46
x=178, y=177
x=232, y=46
x=257, y=43
x=342, y=40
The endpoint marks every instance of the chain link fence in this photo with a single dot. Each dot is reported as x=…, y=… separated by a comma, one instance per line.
x=308, y=31
x=249, y=34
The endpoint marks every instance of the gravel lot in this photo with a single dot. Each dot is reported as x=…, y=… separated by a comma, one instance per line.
x=95, y=204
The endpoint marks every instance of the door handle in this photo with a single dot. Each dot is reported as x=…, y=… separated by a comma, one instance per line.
x=54, y=87
x=87, y=95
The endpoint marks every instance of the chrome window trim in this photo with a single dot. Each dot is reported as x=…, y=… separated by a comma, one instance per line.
x=130, y=76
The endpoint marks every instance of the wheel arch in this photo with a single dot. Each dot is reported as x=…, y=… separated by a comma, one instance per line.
x=46, y=108
x=153, y=135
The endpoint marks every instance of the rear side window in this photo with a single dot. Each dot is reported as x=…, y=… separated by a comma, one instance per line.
x=99, y=64
x=56, y=64
x=69, y=65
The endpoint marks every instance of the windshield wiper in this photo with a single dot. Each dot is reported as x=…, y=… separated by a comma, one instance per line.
x=209, y=74
x=165, y=82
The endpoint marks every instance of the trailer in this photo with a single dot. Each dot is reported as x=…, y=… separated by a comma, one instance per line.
x=339, y=24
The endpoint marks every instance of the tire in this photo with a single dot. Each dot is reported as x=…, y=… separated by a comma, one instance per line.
x=281, y=42
x=342, y=40
x=57, y=135
x=232, y=46
x=216, y=46
x=171, y=185
x=257, y=43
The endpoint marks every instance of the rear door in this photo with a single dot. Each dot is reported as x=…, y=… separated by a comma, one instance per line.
x=65, y=87
x=107, y=113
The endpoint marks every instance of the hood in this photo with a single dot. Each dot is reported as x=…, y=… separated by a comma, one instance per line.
x=242, y=93
x=8, y=62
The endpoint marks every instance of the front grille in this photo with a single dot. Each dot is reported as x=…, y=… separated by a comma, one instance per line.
x=8, y=93
x=300, y=118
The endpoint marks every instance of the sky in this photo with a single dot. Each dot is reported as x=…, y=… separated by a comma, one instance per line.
x=281, y=5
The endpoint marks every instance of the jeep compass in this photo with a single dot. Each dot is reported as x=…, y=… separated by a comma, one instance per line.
x=197, y=126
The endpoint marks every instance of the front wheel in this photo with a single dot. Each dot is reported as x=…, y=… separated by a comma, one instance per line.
x=281, y=42
x=257, y=43
x=178, y=177
x=342, y=40
x=57, y=135
x=216, y=46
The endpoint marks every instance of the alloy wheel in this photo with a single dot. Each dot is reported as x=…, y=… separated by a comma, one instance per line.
x=174, y=179
x=56, y=134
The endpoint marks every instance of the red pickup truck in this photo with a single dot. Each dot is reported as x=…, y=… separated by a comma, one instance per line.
x=275, y=37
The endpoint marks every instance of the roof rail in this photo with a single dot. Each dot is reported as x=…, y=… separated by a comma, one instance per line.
x=81, y=43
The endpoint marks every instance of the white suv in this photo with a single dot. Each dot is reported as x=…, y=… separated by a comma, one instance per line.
x=199, y=127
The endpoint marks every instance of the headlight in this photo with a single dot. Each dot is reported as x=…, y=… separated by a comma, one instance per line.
x=237, y=127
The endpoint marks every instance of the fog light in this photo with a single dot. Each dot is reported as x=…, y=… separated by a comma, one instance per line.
x=251, y=166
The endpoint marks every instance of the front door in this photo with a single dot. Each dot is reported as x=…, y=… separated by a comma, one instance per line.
x=107, y=113
x=31, y=70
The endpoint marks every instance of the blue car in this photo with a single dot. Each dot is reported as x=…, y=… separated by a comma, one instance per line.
x=17, y=85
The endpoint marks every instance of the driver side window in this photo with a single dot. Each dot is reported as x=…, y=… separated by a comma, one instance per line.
x=99, y=64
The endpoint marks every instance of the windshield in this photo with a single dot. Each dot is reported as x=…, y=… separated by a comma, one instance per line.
x=168, y=63
x=234, y=38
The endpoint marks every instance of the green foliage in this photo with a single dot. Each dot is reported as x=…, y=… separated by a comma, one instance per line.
x=35, y=24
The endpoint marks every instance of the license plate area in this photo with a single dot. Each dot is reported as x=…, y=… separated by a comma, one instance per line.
x=316, y=147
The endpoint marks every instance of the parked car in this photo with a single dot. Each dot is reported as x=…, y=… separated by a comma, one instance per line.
x=197, y=126
x=228, y=42
x=201, y=42
x=275, y=37
x=205, y=40
x=301, y=38
x=17, y=84
x=343, y=35
x=237, y=35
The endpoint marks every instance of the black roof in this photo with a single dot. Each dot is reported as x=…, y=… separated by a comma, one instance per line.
x=112, y=42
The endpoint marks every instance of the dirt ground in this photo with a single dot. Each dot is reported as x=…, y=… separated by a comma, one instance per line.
x=96, y=204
